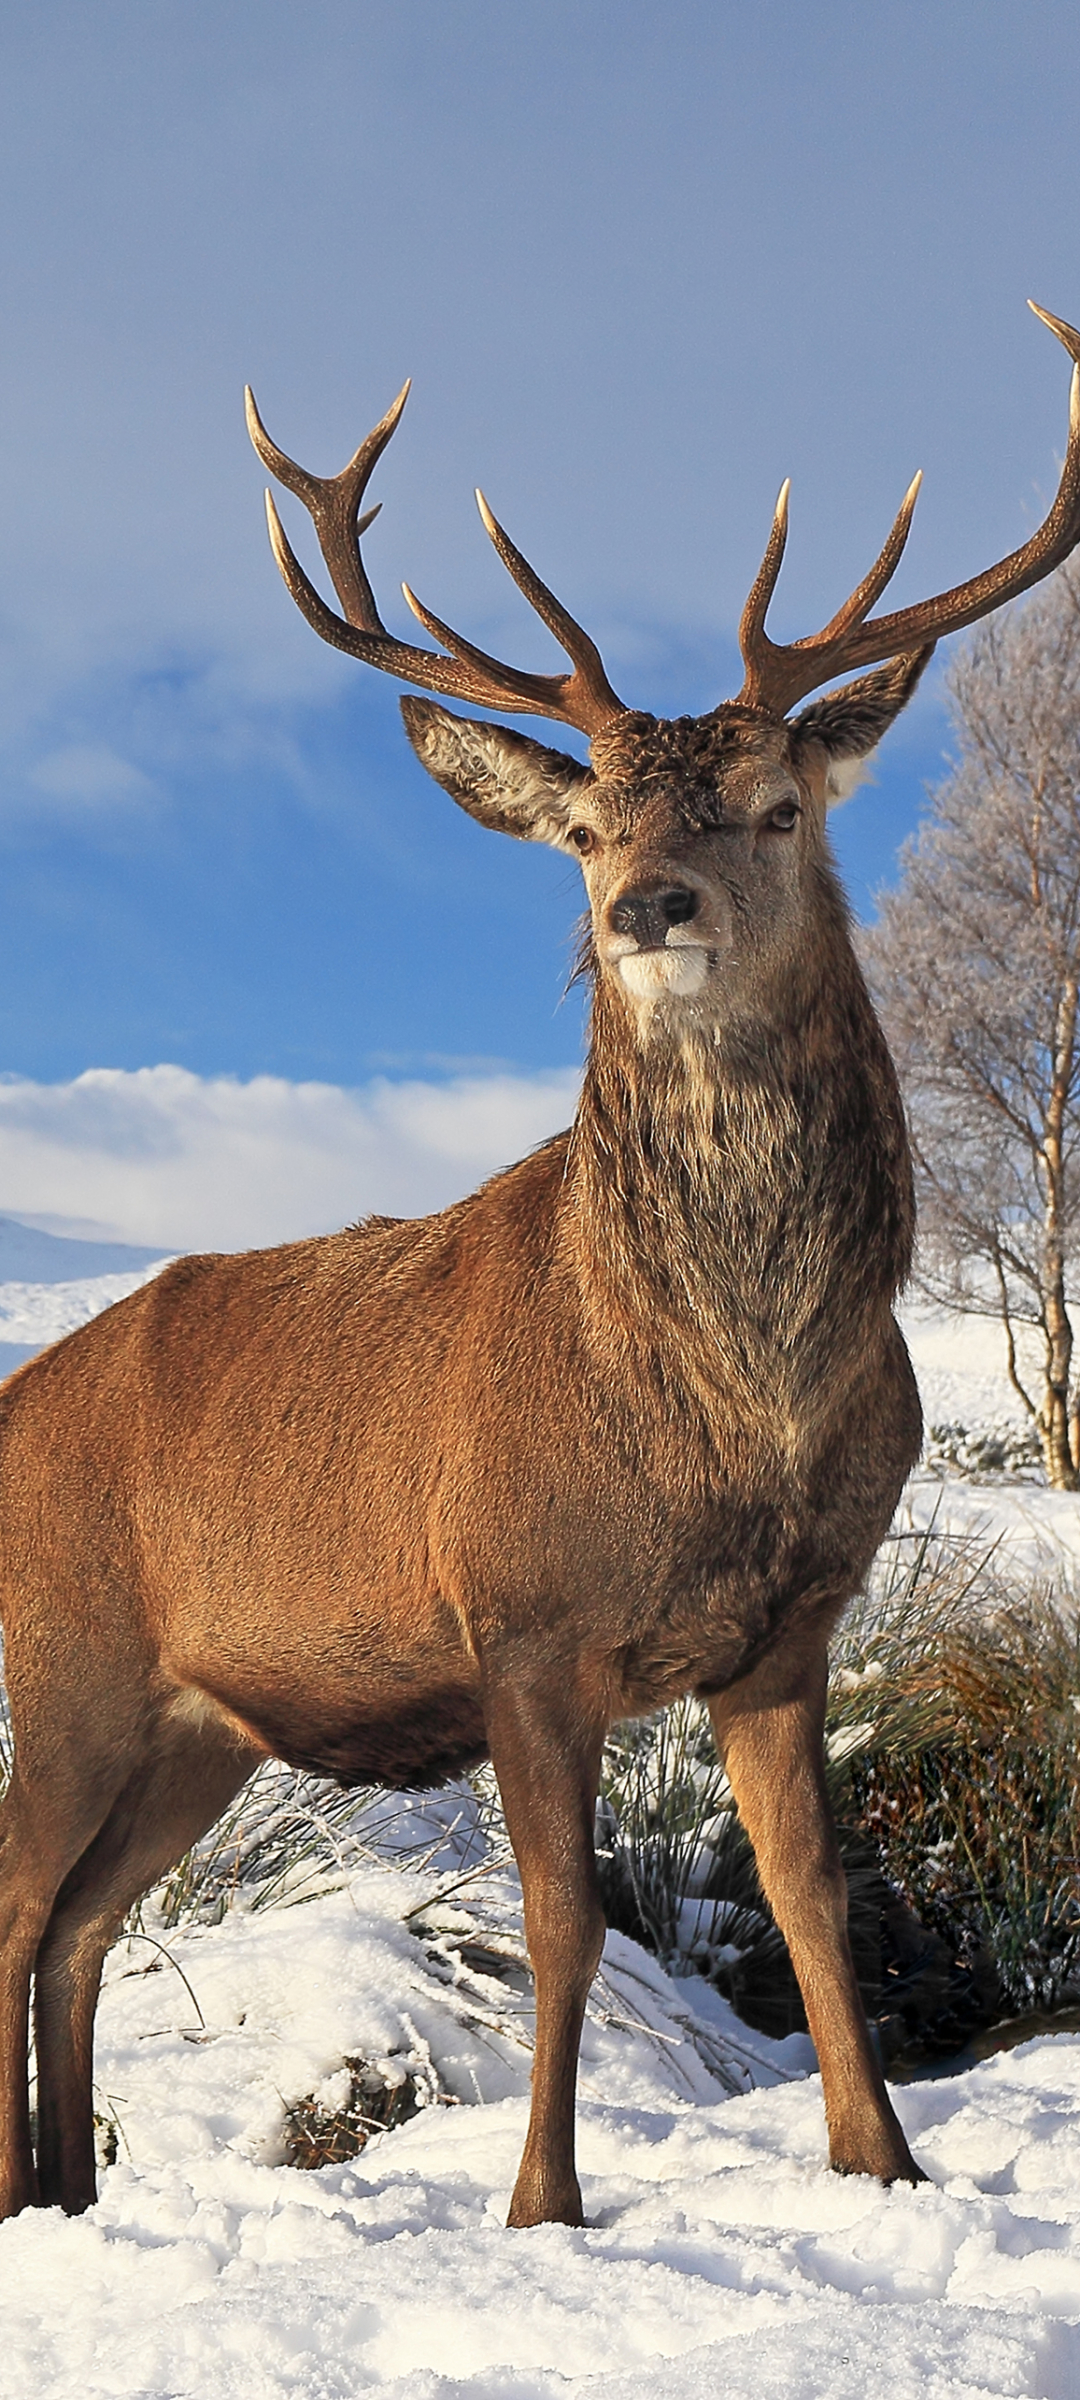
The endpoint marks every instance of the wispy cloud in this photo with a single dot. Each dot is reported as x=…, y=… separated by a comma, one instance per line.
x=164, y=1156
x=90, y=775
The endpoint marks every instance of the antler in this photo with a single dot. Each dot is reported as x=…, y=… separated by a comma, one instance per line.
x=584, y=698
x=777, y=675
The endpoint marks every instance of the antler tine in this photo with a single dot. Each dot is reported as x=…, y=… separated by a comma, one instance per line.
x=753, y=639
x=588, y=686
x=476, y=677
x=333, y=502
x=884, y=567
x=778, y=675
x=556, y=696
x=584, y=699
x=768, y=668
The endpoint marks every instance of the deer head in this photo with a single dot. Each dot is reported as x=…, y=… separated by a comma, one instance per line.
x=701, y=839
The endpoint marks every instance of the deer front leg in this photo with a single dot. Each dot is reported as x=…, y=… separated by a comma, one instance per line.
x=769, y=1731
x=545, y=1746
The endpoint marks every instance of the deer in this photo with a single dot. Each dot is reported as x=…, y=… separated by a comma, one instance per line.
x=628, y=1423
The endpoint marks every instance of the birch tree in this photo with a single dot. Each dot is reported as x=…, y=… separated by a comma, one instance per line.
x=975, y=963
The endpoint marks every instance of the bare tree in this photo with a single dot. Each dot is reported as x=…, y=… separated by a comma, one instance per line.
x=975, y=963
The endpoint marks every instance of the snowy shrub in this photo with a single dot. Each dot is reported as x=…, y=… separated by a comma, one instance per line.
x=952, y=1753
x=979, y=1826
x=676, y=1870
x=289, y=1836
x=1004, y=1449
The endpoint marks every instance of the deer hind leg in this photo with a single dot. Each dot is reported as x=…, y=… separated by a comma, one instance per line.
x=190, y=1776
x=45, y=1821
x=22, y=1917
x=545, y=1746
x=30, y=1873
x=769, y=1731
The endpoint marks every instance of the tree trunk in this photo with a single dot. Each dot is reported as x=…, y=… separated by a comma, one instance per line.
x=1054, y=1413
x=1053, y=1430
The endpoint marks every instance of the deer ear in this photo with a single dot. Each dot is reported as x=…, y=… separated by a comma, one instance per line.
x=834, y=736
x=501, y=778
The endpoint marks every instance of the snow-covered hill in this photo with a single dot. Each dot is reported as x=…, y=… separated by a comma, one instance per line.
x=50, y=1283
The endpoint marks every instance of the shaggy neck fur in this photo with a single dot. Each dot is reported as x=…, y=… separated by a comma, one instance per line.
x=738, y=1199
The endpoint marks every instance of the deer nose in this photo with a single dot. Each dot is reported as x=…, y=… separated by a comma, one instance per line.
x=648, y=916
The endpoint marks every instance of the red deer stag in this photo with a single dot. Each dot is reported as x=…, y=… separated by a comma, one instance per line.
x=629, y=1422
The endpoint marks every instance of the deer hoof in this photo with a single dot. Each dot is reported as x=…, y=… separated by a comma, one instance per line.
x=534, y=2206
x=900, y=2168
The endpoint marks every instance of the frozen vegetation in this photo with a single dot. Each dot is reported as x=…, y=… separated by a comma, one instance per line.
x=325, y=1974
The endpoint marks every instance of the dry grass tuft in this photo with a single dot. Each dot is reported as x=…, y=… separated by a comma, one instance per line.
x=328, y=2127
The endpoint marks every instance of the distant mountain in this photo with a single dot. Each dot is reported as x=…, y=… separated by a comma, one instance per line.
x=52, y=1282
x=29, y=1256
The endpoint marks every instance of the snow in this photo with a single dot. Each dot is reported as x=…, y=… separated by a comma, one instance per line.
x=960, y=1365
x=719, y=2254
x=1032, y=1528
x=33, y=1314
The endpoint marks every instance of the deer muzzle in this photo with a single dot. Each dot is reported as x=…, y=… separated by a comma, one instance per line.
x=654, y=938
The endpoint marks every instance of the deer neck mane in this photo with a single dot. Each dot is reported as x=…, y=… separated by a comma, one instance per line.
x=739, y=1201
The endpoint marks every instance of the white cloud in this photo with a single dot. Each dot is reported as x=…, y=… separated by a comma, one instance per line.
x=89, y=774
x=166, y=1157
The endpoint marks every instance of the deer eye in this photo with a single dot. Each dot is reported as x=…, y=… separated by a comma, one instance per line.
x=581, y=839
x=784, y=817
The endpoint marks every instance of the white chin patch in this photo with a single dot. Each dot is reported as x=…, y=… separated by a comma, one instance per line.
x=677, y=973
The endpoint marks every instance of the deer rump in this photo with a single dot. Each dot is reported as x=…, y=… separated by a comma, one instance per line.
x=629, y=1422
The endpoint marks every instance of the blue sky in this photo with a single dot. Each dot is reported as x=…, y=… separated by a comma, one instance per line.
x=640, y=264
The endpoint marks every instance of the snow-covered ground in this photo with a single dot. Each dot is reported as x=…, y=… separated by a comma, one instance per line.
x=720, y=2255
x=960, y=1364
